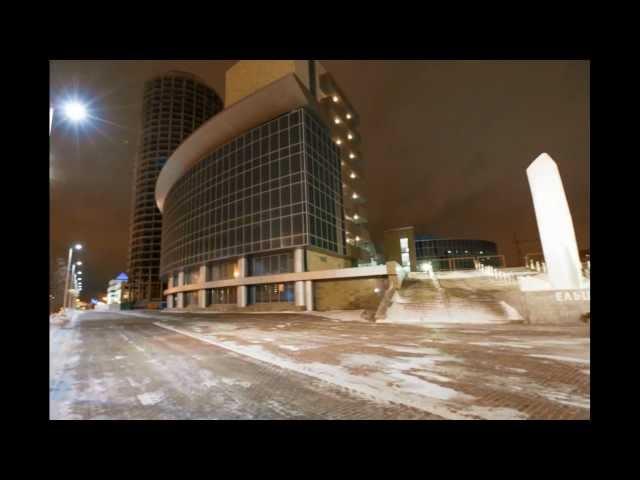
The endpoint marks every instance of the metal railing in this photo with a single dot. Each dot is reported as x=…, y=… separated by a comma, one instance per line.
x=448, y=264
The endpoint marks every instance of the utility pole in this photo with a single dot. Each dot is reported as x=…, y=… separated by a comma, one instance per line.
x=66, y=280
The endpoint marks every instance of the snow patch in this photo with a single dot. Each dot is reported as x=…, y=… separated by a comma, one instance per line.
x=519, y=370
x=500, y=344
x=74, y=360
x=290, y=347
x=567, y=399
x=151, y=398
x=233, y=381
x=422, y=351
x=562, y=359
x=413, y=384
x=510, y=312
x=490, y=413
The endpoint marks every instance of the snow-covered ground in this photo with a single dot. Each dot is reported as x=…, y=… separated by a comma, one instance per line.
x=448, y=372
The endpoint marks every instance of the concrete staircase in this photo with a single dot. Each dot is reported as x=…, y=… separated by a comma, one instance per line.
x=453, y=299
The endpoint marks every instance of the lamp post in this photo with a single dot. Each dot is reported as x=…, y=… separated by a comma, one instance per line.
x=65, y=301
x=73, y=111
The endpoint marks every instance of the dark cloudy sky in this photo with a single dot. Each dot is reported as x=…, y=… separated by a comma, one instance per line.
x=446, y=146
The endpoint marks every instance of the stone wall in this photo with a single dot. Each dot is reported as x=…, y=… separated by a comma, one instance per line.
x=323, y=261
x=223, y=307
x=556, y=306
x=349, y=294
x=272, y=307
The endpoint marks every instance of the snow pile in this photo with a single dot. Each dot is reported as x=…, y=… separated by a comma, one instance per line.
x=341, y=315
x=64, y=316
x=58, y=318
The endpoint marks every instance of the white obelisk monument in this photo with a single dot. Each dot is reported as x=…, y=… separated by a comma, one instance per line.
x=555, y=225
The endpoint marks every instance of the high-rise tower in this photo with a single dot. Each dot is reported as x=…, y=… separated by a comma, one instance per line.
x=175, y=104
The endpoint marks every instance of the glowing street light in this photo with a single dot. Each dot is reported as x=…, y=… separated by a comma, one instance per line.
x=73, y=110
x=70, y=271
x=78, y=263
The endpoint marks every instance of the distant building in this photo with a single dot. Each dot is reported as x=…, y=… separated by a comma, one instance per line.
x=456, y=253
x=118, y=291
x=416, y=252
x=400, y=246
x=174, y=105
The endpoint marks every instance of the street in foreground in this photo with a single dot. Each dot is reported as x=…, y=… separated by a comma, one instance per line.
x=152, y=365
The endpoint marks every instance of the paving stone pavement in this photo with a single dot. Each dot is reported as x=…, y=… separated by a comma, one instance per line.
x=501, y=371
x=125, y=366
x=111, y=366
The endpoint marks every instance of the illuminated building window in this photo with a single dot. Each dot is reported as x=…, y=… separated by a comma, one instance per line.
x=404, y=252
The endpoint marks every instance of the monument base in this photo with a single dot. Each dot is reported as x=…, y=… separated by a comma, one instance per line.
x=557, y=306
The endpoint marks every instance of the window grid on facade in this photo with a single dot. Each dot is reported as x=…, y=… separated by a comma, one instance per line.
x=271, y=264
x=435, y=248
x=173, y=106
x=271, y=293
x=220, y=296
x=254, y=194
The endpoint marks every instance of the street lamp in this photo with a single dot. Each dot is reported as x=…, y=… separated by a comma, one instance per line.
x=77, y=246
x=73, y=110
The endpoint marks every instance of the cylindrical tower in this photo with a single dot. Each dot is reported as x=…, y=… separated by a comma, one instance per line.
x=175, y=104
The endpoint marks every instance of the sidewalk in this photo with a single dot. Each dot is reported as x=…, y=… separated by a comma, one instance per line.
x=453, y=371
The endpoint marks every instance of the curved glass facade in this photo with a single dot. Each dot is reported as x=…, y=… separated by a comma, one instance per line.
x=455, y=254
x=449, y=247
x=277, y=186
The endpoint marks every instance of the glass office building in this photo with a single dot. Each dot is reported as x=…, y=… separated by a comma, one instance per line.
x=274, y=187
x=454, y=253
x=267, y=197
x=428, y=247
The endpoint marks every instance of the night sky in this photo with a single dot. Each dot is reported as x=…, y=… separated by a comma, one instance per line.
x=446, y=146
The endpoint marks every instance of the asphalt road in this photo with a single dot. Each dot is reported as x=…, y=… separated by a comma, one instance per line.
x=114, y=366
